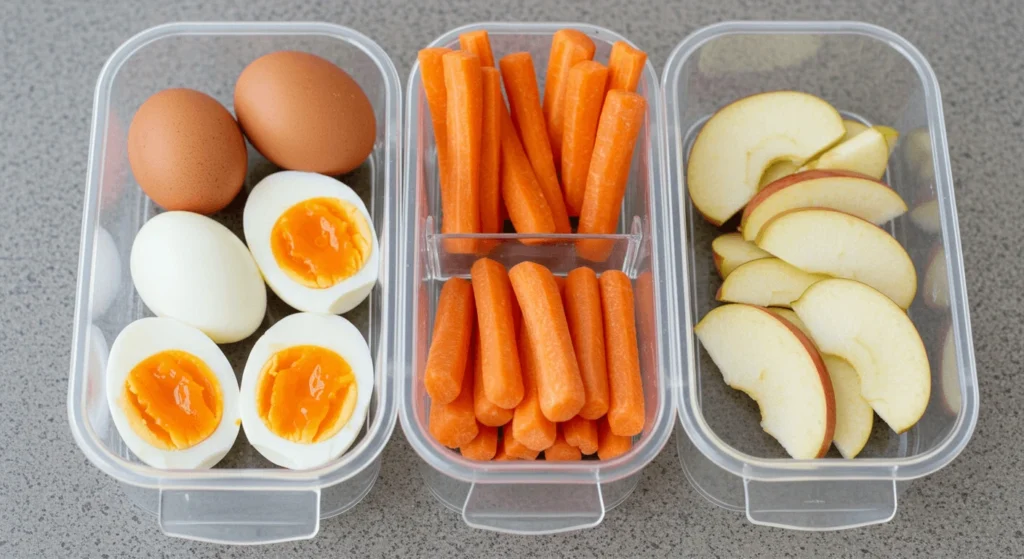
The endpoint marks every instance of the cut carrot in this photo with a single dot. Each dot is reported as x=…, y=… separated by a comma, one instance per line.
x=626, y=409
x=562, y=451
x=484, y=446
x=621, y=120
x=524, y=198
x=610, y=445
x=581, y=433
x=503, y=378
x=478, y=43
x=463, y=82
x=490, y=153
x=584, y=96
x=586, y=326
x=558, y=376
x=646, y=319
x=432, y=72
x=515, y=449
x=524, y=100
x=529, y=425
x=454, y=424
x=626, y=64
x=560, y=282
x=500, y=455
x=486, y=412
x=449, y=348
x=568, y=48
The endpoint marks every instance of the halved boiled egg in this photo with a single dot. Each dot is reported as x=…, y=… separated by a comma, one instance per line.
x=313, y=240
x=172, y=394
x=306, y=389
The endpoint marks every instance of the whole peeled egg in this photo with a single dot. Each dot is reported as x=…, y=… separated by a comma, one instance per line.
x=304, y=113
x=186, y=151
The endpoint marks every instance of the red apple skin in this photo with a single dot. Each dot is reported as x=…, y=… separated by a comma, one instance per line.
x=718, y=263
x=775, y=186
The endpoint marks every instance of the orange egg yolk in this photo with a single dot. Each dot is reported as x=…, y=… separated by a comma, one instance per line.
x=173, y=400
x=306, y=394
x=321, y=241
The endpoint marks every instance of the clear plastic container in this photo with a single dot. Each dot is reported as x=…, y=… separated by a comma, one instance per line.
x=533, y=497
x=245, y=499
x=874, y=76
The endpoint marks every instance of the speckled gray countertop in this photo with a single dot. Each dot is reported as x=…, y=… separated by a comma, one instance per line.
x=53, y=503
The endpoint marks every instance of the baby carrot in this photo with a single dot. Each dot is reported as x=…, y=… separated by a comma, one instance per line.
x=454, y=424
x=449, y=348
x=464, y=85
x=558, y=376
x=560, y=282
x=432, y=72
x=626, y=409
x=515, y=449
x=490, y=152
x=561, y=451
x=581, y=433
x=626, y=64
x=584, y=96
x=529, y=426
x=568, y=48
x=583, y=313
x=503, y=378
x=486, y=412
x=484, y=446
x=621, y=120
x=527, y=207
x=500, y=455
x=610, y=445
x=478, y=43
x=524, y=100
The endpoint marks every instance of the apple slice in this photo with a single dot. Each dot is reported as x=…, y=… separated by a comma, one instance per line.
x=777, y=171
x=848, y=192
x=853, y=128
x=866, y=153
x=730, y=251
x=792, y=318
x=890, y=134
x=851, y=320
x=949, y=375
x=775, y=364
x=826, y=241
x=926, y=217
x=740, y=141
x=767, y=282
x=935, y=285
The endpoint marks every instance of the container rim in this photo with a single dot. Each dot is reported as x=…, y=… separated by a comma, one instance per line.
x=366, y=451
x=786, y=469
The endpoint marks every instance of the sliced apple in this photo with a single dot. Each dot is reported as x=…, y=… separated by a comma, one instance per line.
x=848, y=192
x=918, y=152
x=949, y=376
x=767, y=282
x=926, y=217
x=890, y=134
x=792, y=318
x=777, y=171
x=730, y=251
x=740, y=141
x=826, y=241
x=935, y=285
x=852, y=128
x=775, y=364
x=853, y=321
x=866, y=153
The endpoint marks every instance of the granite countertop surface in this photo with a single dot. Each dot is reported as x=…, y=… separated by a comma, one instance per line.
x=54, y=503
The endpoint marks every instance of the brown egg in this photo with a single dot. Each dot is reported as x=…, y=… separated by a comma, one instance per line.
x=304, y=113
x=186, y=151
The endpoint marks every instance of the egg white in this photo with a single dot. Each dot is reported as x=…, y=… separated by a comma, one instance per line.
x=270, y=198
x=325, y=330
x=146, y=337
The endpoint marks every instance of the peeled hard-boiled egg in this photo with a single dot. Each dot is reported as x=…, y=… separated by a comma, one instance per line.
x=306, y=389
x=172, y=394
x=313, y=239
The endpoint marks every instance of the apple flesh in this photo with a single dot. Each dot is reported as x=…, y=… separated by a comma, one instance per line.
x=768, y=282
x=926, y=217
x=729, y=251
x=867, y=153
x=949, y=375
x=853, y=128
x=935, y=285
x=777, y=171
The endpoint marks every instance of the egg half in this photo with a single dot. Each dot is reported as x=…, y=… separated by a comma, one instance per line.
x=313, y=240
x=172, y=394
x=306, y=390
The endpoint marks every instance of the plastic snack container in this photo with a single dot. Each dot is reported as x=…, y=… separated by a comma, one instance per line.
x=877, y=77
x=245, y=499
x=532, y=497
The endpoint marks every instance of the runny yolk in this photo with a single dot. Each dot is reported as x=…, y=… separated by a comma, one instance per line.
x=306, y=393
x=321, y=241
x=172, y=400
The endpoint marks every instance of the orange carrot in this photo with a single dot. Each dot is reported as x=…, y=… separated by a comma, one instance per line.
x=584, y=96
x=627, y=65
x=486, y=412
x=478, y=43
x=562, y=451
x=490, y=153
x=503, y=378
x=484, y=446
x=558, y=376
x=500, y=455
x=522, y=194
x=524, y=100
x=529, y=426
x=463, y=82
x=583, y=312
x=568, y=48
x=449, y=348
x=626, y=410
x=515, y=449
x=621, y=120
x=454, y=424
x=581, y=433
x=560, y=282
x=432, y=72
x=610, y=445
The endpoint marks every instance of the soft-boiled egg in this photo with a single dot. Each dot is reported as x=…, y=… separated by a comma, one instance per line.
x=172, y=394
x=313, y=240
x=306, y=389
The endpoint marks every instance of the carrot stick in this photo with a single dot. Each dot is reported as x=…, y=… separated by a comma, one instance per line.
x=621, y=120
x=464, y=84
x=486, y=412
x=478, y=43
x=522, y=194
x=432, y=72
x=503, y=378
x=581, y=433
x=560, y=282
x=610, y=445
x=626, y=409
x=484, y=446
x=449, y=348
x=529, y=426
x=561, y=451
x=586, y=326
x=568, y=48
x=524, y=100
x=584, y=96
x=627, y=65
x=558, y=376
x=500, y=455
x=454, y=424
x=490, y=156
x=515, y=449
